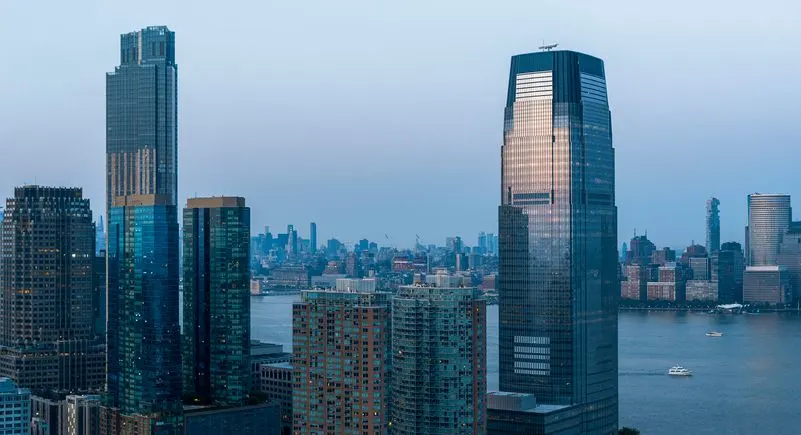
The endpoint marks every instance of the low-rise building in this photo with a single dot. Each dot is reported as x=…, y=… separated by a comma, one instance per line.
x=518, y=413
x=276, y=385
x=766, y=285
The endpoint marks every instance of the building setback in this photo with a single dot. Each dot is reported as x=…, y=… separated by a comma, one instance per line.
x=46, y=308
x=341, y=357
x=439, y=359
x=216, y=316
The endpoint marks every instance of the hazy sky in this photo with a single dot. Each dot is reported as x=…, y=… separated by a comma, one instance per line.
x=376, y=117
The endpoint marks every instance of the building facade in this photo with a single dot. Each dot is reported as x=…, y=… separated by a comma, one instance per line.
x=635, y=285
x=712, y=225
x=432, y=323
x=558, y=272
x=769, y=218
x=341, y=359
x=243, y=420
x=275, y=382
x=766, y=285
x=144, y=337
x=142, y=117
x=518, y=414
x=16, y=408
x=82, y=415
x=216, y=316
x=46, y=309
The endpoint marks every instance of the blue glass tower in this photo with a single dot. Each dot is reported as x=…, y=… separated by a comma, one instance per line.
x=558, y=287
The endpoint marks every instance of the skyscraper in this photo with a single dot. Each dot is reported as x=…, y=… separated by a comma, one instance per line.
x=313, y=237
x=769, y=218
x=46, y=321
x=216, y=268
x=341, y=357
x=434, y=322
x=712, y=225
x=143, y=378
x=558, y=274
x=142, y=117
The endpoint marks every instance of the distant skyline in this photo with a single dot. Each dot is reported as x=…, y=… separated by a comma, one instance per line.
x=373, y=119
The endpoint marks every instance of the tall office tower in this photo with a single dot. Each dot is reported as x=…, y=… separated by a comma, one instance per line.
x=769, y=218
x=790, y=257
x=142, y=117
x=143, y=380
x=99, y=295
x=712, y=225
x=482, y=243
x=144, y=337
x=558, y=271
x=431, y=323
x=313, y=237
x=100, y=236
x=46, y=325
x=216, y=339
x=341, y=357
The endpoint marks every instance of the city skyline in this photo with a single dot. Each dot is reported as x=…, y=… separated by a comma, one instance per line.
x=254, y=116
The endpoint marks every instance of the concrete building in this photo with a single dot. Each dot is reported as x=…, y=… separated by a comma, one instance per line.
x=635, y=286
x=262, y=353
x=275, y=383
x=662, y=291
x=518, y=414
x=766, y=285
x=46, y=279
x=431, y=323
x=702, y=290
x=341, y=358
x=216, y=298
x=16, y=413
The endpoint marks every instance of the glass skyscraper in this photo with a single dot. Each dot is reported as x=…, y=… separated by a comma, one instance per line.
x=558, y=278
x=769, y=217
x=142, y=117
x=712, y=225
x=143, y=378
x=216, y=267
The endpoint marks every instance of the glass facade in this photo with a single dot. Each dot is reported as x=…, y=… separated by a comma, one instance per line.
x=141, y=117
x=144, y=351
x=712, y=225
x=768, y=219
x=558, y=279
x=216, y=316
x=439, y=360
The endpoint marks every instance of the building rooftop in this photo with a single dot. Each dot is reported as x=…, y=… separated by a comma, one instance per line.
x=283, y=365
x=765, y=268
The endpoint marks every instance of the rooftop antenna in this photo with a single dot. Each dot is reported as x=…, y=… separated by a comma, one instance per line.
x=548, y=47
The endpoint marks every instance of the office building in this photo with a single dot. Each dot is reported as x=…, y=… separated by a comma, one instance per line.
x=144, y=338
x=99, y=296
x=518, y=413
x=712, y=225
x=341, y=358
x=660, y=257
x=702, y=290
x=244, y=420
x=100, y=236
x=769, y=285
x=82, y=415
x=216, y=293
x=275, y=382
x=142, y=393
x=262, y=353
x=790, y=257
x=558, y=271
x=16, y=408
x=47, y=414
x=640, y=250
x=769, y=218
x=46, y=308
x=142, y=117
x=699, y=267
x=313, y=237
x=727, y=267
x=431, y=323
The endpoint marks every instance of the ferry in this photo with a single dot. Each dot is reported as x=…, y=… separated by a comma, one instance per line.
x=714, y=334
x=679, y=371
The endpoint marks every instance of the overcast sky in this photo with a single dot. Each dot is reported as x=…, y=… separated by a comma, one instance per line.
x=385, y=117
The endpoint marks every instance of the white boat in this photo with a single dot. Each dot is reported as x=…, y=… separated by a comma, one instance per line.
x=679, y=371
x=714, y=334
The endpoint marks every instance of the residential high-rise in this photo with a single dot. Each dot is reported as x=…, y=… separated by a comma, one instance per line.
x=712, y=225
x=143, y=380
x=144, y=338
x=142, y=117
x=438, y=321
x=558, y=270
x=216, y=316
x=341, y=358
x=313, y=237
x=769, y=218
x=46, y=318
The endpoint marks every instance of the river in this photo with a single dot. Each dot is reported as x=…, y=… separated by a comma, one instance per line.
x=746, y=382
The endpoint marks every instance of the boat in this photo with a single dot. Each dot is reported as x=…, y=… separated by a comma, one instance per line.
x=714, y=334
x=679, y=371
